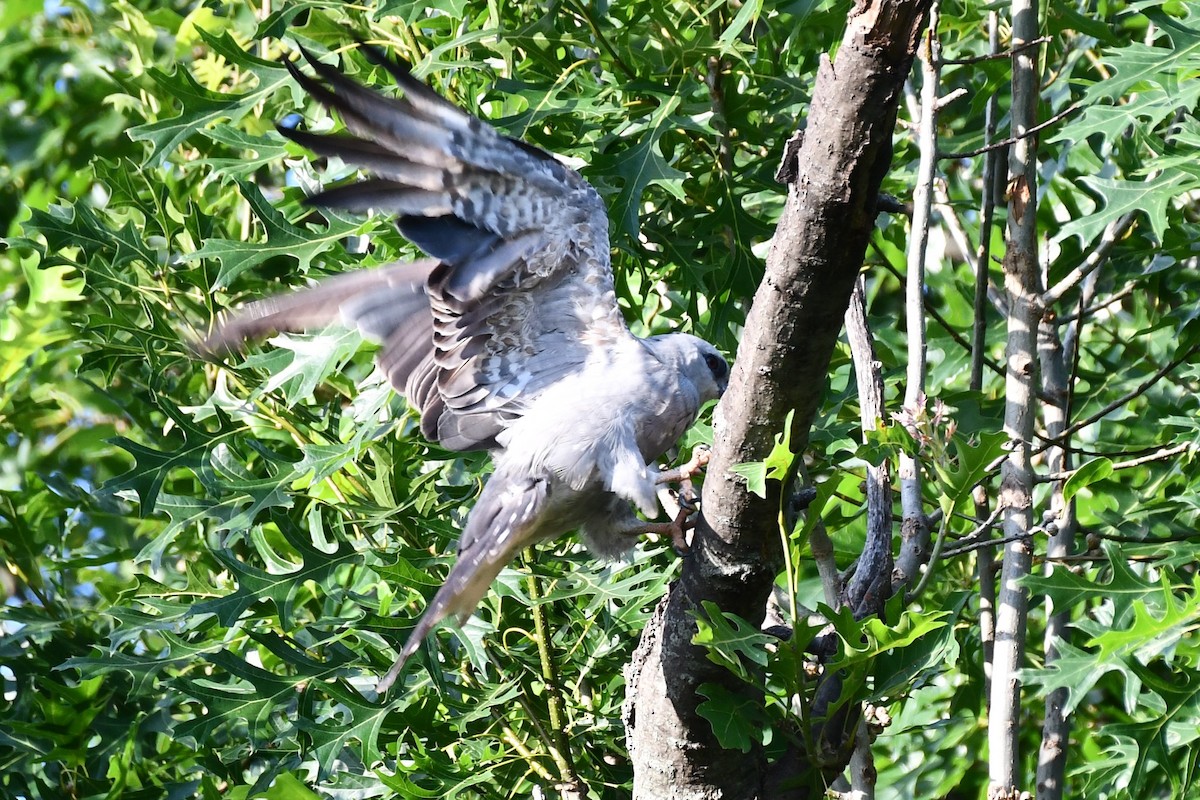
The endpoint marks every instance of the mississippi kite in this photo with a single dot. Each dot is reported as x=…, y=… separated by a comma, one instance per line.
x=508, y=338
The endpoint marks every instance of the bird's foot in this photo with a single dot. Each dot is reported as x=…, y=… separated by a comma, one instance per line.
x=676, y=529
x=684, y=502
x=685, y=472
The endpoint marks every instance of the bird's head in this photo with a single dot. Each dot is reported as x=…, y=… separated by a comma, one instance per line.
x=698, y=360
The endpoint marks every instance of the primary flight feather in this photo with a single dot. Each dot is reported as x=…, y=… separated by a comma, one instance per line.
x=508, y=338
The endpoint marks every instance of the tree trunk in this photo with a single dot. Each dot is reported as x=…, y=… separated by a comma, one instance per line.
x=833, y=177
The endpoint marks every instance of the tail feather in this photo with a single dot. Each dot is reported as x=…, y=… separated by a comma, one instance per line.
x=503, y=521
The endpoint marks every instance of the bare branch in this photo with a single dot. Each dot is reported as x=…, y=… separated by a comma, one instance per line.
x=1000, y=145
x=1141, y=389
x=870, y=585
x=914, y=533
x=1056, y=410
x=995, y=55
x=1157, y=455
x=985, y=566
x=1112, y=234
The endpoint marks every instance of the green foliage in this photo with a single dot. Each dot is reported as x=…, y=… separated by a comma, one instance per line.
x=876, y=661
x=212, y=563
x=207, y=565
x=777, y=466
x=1142, y=632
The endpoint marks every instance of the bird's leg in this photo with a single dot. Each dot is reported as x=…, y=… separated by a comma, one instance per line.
x=686, y=502
x=685, y=497
x=676, y=529
x=685, y=472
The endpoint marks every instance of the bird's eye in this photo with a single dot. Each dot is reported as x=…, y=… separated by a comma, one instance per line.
x=716, y=365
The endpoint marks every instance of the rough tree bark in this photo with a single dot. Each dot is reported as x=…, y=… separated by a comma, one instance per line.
x=833, y=183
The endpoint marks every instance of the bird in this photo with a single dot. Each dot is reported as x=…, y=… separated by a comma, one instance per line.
x=507, y=338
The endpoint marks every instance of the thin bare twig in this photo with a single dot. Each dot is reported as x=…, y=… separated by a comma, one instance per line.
x=947, y=99
x=987, y=210
x=994, y=55
x=1157, y=455
x=982, y=528
x=1129, y=452
x=1112, y=299
x=939, y=319
x=1182, y=536
x=1099, y=254
x=1141, y=389
x=958, y=233
x=985, y=559
x=1013, y=139
x=958, y=550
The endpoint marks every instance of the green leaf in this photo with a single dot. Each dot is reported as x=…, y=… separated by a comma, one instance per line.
x=1138, y=64
x=255, y=585
x=201, y=108
x=755, y=475
x=1150, y=198
x=283, y=239
x=737, y=721
x=1097, y=469
x=776, y=466
x=729, y=639
x=642, y=165
x=1074, y=670
x=968, y=467
x=1065, y=588
x=53, y=284
x=268, y=150
x=153, y=466
x=288, y=787
x=1158, y=738
x=747, y=15
x=364, y=725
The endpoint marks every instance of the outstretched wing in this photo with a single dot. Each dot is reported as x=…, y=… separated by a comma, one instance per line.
x=387, y=304
x=523, y=294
